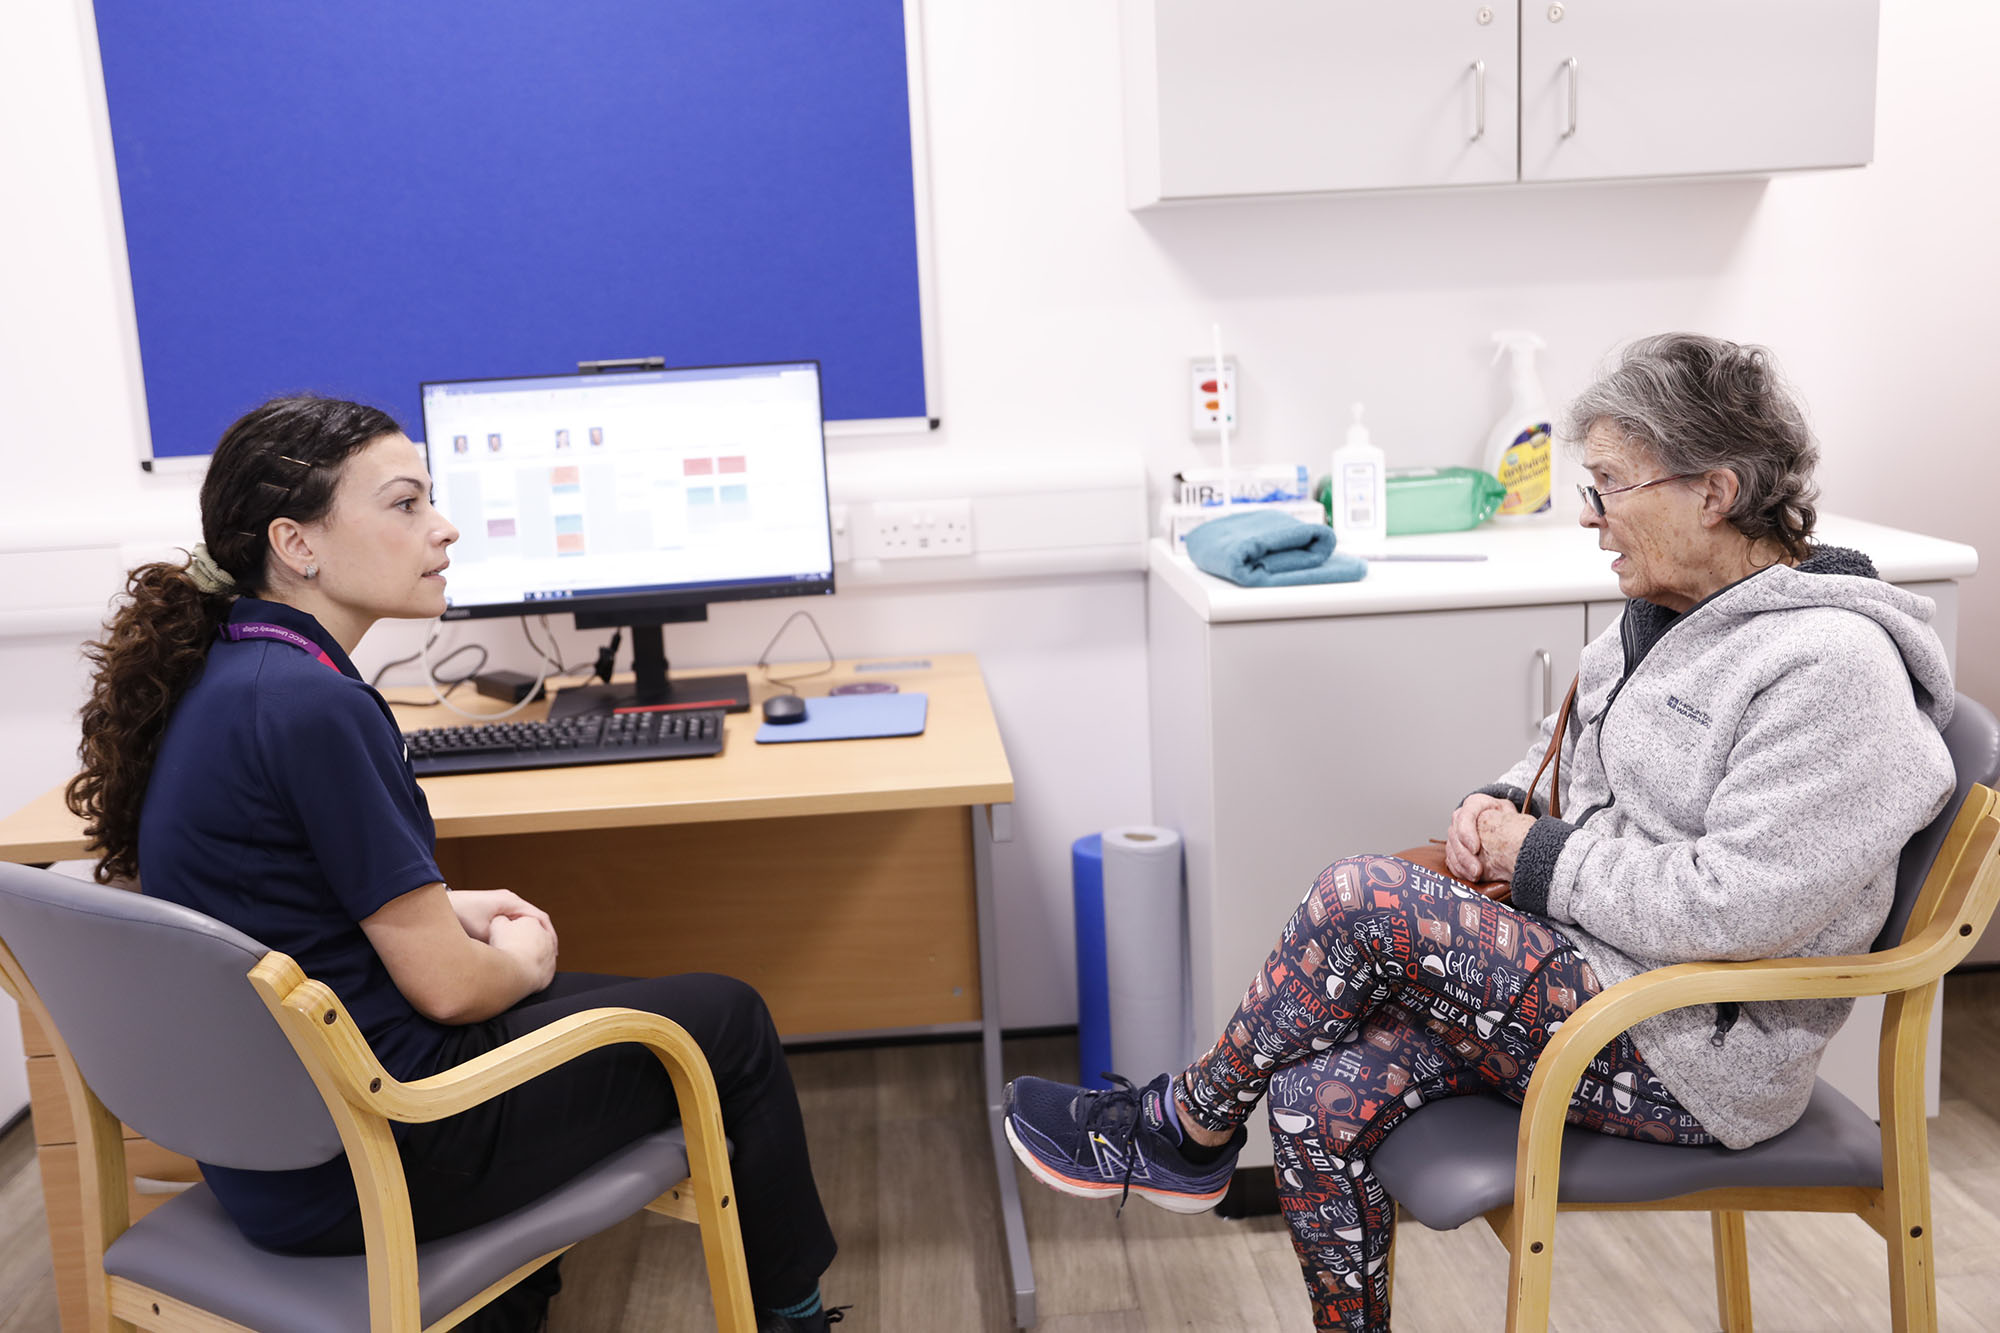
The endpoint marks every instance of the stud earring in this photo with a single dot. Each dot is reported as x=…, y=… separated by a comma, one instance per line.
x=312, y=571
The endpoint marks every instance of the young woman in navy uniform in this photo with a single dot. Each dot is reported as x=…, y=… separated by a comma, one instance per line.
x=236, y=762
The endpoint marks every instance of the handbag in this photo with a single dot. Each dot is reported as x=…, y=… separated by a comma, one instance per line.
x=1431, y=855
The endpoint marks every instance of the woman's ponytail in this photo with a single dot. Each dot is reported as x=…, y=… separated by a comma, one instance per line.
x=150, y=653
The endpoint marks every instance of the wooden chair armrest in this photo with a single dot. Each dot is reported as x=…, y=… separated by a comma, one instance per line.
x=487, y=1076
x=1594, y=1026
x=368, y=1087
x=1604, y=1016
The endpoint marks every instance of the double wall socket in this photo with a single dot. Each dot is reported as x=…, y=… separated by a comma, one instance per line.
x=908, y=528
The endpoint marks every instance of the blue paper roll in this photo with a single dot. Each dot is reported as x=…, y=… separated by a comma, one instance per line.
x=1093, y=992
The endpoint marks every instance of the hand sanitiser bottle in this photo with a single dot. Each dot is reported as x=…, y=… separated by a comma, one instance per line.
x=1520, y=451
x=1360, y=493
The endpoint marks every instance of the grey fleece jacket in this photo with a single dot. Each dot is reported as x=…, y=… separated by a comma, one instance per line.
x=1737, y=783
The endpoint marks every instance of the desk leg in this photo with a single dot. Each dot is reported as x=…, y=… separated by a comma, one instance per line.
x=1018, y=1265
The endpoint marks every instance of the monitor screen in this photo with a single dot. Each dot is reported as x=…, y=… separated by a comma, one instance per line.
x=631, y=491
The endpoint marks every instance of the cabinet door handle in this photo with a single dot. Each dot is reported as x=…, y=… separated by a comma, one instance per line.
x=1571, y=65
x=1479, y=99
x=1548, y=665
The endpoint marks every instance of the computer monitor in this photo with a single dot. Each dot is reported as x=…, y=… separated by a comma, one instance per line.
x=633, y=499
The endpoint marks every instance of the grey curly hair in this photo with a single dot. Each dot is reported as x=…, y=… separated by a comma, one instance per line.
x=1701, y=404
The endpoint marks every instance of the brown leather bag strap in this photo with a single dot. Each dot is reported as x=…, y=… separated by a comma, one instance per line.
x=1554, y=756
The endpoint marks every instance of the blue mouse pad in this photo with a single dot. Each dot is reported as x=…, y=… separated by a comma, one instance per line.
x=848, y=717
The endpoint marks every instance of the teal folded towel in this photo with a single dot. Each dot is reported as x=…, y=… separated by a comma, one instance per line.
x=1266, y=549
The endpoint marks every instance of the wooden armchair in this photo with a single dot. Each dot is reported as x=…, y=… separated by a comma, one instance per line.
x=1516, y=1167
x=146, y=1003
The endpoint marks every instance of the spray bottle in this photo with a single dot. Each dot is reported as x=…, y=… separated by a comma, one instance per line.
x=1520, y=451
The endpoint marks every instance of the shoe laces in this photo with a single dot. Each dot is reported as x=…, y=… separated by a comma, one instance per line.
x=1114, y=1112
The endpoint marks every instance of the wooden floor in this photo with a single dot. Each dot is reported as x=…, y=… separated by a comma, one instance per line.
x=900, y=1152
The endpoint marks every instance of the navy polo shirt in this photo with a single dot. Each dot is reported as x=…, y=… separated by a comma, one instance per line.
x=282, y=803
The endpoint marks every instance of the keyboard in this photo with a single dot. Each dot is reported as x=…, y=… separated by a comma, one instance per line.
x=617, y=738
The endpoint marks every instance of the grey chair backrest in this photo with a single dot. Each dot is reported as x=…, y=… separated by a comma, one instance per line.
x=154, y=1003
x=1974, y=741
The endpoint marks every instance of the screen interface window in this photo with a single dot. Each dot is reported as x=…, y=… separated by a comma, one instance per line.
x=580, y=486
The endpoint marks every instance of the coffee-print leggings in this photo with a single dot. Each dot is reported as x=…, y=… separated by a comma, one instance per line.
x=1392, y=986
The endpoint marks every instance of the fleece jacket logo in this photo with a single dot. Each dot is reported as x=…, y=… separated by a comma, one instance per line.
x=1687, y=710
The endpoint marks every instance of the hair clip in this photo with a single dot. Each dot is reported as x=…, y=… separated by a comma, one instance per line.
x=296, y=462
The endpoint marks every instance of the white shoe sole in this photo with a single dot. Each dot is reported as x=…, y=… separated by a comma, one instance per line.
x=1096, y=1189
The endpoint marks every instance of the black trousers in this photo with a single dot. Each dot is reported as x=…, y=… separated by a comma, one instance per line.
x=505, y=1153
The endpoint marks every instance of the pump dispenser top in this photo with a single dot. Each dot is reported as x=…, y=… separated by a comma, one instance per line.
x=1519, y=449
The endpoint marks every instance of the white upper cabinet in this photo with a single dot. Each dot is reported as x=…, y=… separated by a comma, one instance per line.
x=1235, y=97
x=1228, y=98
x=1615, y=89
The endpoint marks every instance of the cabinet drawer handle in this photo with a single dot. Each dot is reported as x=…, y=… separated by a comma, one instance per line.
x=153, y=1185
x=1479, y=99
x=1571, y=63
x=1548, y=665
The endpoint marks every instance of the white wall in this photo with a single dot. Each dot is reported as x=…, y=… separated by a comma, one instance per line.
x=1066, y=322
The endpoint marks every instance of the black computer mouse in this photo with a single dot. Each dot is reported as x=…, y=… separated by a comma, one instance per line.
x=784, y=709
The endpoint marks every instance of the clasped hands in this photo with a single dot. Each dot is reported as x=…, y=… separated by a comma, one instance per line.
x=510, y=923
x=1485, y=837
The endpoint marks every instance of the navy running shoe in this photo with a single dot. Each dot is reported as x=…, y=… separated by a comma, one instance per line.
x=1121, y=1141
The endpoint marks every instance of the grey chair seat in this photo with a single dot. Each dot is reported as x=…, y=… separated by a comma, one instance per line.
x=190, y=1250
x=1453, y=1160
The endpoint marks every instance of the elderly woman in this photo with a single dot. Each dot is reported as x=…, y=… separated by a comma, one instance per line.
x=1749, y=749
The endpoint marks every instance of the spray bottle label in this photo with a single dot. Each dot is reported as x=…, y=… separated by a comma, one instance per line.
x=1524, y=471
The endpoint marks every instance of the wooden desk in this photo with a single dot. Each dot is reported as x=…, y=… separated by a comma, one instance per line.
x=836, y=877
x=844, y=880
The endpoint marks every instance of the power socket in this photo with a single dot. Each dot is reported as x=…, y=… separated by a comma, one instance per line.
x=1211, y=397
x=910, y=528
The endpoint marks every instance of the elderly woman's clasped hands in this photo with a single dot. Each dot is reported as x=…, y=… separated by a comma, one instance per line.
x=1485, y=837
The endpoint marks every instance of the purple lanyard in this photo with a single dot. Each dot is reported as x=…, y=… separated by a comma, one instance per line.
x=257, y=629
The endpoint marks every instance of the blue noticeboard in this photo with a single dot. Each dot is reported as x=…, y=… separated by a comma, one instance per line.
x=353, y=198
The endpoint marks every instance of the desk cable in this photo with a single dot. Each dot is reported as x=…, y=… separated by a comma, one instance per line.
x=430, y=678
x=450, y=685
x=553, y=653
x=785, y=682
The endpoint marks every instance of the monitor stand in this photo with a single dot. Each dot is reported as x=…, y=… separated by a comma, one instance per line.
x=650, y=687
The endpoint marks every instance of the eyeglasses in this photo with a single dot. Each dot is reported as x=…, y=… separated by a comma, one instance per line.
x=1595, y=498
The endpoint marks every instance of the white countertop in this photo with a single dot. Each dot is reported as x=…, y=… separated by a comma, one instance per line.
x=1528, y=563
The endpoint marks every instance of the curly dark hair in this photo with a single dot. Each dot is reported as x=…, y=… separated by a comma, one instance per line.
x=1699, y=404
x=282, y=460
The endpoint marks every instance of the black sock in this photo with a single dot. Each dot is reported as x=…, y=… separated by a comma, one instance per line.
x=1193, y=1152
x=1200, y=1154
